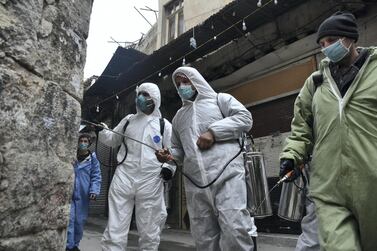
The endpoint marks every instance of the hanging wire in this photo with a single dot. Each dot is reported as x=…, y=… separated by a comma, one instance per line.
x=190, y=52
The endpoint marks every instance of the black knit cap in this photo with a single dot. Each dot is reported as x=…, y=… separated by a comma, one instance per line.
x=342, y=24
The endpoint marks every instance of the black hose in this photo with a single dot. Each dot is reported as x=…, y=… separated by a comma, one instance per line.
x=218, y=175
x=305, y=187
x=111, y=166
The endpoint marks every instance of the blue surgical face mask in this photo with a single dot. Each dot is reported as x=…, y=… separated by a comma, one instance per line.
x=83, y=146
x=336, y=51
x=145, y=104
x=186, y=91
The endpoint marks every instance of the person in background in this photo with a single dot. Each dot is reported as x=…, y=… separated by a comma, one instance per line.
x=308, y=239
x=87, y=187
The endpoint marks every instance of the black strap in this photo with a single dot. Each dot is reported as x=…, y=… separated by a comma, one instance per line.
x=162, y=126
x=162, y=129
x=317, y=80
x=125, y=126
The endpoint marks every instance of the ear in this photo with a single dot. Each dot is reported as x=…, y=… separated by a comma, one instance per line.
x=350, y=42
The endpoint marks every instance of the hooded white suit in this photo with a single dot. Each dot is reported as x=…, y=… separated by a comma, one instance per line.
x=219, y=219
x=137, y=181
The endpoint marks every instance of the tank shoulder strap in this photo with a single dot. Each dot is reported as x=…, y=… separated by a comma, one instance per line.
x=162, y=126
x=317, y=80
x=125, y=126
x=127, y=123
x=162, y=129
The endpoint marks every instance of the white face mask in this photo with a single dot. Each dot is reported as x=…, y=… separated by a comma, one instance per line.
x=336, y=51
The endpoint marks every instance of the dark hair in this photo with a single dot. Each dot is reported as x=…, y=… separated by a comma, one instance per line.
x=84, y=135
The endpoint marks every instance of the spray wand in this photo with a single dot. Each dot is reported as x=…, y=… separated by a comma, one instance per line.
x=120, y=134
x=284, y=178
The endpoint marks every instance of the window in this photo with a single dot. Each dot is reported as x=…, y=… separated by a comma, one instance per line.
x=174, y=20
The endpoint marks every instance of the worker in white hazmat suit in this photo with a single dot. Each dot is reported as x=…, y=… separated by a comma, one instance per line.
x=308, y=239
x=204, y=139
x=138, y=181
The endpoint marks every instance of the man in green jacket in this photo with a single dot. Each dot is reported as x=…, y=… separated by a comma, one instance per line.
x=335, y=118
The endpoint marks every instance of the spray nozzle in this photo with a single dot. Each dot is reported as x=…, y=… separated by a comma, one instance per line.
x=289, y=174
x=285, y=177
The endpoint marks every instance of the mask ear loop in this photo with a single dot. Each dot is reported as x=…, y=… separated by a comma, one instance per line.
x=342, y=40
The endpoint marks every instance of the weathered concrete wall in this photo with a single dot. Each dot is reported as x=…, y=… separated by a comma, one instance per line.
x=149, y=42
x=194, y=13
x=42, y=54
x=271, y=147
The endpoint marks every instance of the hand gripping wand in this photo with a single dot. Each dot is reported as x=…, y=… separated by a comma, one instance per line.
x=284, y=178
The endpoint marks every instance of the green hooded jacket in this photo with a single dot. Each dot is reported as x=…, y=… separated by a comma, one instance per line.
x=341, y=133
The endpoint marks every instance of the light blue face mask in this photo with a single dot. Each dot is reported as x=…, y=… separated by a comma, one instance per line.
x=83, y=146
x=336, y=51
x=186, y=91
x=145, y=104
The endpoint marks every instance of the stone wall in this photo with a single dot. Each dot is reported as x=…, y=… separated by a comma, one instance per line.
x=42, y=55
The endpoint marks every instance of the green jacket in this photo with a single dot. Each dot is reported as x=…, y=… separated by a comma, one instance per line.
x=341, y=133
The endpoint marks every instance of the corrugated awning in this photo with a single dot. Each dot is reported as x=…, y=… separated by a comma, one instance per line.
x=122, y=60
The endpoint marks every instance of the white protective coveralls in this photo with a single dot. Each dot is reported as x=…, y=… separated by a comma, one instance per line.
x=308, y=240
x=219, y=219
x=137, y=181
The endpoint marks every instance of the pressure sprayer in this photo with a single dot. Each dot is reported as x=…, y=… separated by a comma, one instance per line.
x=258, y=200
x=292, y=198
x=291, y=204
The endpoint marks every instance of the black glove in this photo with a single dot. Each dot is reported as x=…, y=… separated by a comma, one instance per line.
x=166, y=174
x=287, y=165
x=97, y=129
x=102, y=126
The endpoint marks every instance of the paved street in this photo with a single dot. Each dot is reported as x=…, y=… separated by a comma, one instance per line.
x=91, y=242
x=178, y=240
